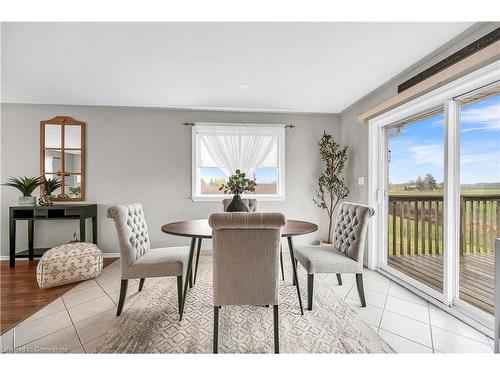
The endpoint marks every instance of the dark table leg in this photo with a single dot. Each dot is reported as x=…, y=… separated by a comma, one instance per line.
x=12, y=242
x=294, y=268
x=94, y=229
x=31, y=232
x=188, y=275
x=82, y=228
x=197, y=259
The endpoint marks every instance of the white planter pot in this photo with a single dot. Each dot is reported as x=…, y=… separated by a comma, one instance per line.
x=27, y=201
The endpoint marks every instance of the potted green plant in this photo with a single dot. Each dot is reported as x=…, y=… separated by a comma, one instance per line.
x=331, y=185
x=50, y=186
x=236, y=185
x=26, y=185
x=75, y=191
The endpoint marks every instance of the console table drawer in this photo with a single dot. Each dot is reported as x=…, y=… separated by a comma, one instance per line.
x=72, y=212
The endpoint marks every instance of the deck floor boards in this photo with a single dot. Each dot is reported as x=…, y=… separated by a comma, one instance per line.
x=476, y=285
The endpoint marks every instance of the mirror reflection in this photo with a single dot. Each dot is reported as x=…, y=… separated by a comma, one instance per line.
x=72, y=136
x=72, y=161
x=73, y=186
x=52, y=161
x=53, y=136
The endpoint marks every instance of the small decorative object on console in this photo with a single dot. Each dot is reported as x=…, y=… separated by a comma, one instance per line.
x=75, y=239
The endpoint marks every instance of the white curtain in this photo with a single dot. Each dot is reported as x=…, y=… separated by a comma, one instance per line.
x=243, y=147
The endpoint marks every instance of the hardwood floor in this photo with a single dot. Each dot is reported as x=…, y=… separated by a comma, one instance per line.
x=20, y=294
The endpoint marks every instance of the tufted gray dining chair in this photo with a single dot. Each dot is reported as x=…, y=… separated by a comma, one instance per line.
x=252, y=205
x=345, y=255
x=138, y=260
x=245, y=262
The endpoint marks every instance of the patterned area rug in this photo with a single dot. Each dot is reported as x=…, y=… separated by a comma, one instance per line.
x=149, y=323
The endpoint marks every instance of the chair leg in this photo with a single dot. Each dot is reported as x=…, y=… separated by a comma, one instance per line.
x=141, y=284
x=310, y=291
x=295, y=277
x=361, y=291
x=179, y=292
x=281, y=262
x=123, y=295
x=276, y=330
x=197, y=260
x=339, y=278
x=189, y=271
x=294, y=282
x=216, y=329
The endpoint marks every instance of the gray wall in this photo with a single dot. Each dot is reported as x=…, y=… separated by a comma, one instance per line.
x=356, y=135
x=144, y=155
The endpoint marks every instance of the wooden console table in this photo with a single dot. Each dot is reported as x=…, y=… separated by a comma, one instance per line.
x=79, y=212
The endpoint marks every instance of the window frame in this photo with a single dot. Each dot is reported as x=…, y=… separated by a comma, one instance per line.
x=195, y=186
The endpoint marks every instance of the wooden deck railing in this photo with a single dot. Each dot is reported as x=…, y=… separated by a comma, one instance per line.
x=416, y=224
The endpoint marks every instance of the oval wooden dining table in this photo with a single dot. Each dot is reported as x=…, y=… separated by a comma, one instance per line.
x=199, y=229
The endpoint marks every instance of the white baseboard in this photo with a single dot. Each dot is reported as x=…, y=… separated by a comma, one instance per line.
x=110, y=255
x=104, y=255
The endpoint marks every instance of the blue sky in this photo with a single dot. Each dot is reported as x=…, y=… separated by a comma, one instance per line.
x=419, y=148
x=262, y=174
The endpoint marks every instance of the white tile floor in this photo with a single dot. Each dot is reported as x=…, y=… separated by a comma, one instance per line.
x=78, y=321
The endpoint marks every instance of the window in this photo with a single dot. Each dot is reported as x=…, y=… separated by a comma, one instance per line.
x=220, y=149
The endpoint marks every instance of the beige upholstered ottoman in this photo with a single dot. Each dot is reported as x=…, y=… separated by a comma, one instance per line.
x=69, y=263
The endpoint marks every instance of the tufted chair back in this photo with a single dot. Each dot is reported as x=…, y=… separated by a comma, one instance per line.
x=251, y=204
x=132, y=232
x=350, y=229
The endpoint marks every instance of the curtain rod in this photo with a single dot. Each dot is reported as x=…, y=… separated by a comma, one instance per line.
x=288, y=126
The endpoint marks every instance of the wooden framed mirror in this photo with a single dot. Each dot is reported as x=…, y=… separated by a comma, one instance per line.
x=62, y=156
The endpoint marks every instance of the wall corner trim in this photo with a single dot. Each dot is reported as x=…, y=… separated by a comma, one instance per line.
x=477, y=60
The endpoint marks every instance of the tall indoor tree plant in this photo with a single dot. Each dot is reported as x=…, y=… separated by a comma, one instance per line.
x=331, y=185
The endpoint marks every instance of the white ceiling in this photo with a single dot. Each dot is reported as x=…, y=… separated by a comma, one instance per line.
x=303, y=67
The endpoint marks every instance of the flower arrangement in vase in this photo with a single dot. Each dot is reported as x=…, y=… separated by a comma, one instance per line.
x=236, y=185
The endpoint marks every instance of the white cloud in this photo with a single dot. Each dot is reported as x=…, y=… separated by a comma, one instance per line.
x=487, y=158
x=485, y=118
x=431, y=154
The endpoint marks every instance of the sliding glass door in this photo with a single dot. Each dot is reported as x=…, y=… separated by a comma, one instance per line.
x=479, y=196
x=415, y=173
x=435, y=182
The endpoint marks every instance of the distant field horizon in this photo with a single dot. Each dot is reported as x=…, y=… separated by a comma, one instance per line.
x=440, y=192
